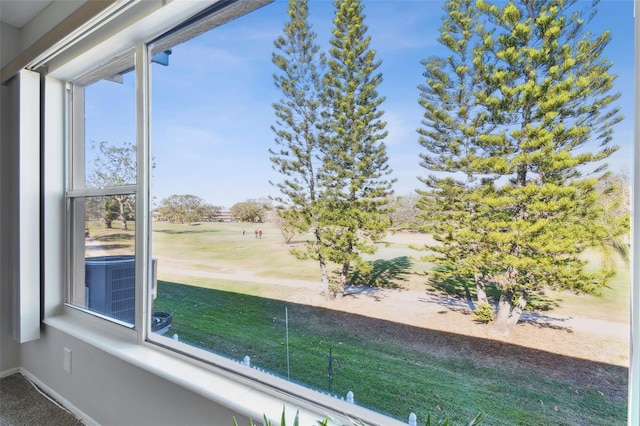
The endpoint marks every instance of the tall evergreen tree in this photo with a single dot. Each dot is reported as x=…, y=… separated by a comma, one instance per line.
x=299, y=63
x=355, y=164
x=453, y=123
x=541, y=97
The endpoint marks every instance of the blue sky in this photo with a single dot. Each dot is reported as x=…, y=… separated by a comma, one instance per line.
x=212, y=113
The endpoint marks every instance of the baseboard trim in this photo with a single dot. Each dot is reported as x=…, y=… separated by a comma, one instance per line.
x=86, y=419
x=9, y=372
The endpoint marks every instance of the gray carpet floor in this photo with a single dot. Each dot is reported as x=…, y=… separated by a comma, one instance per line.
x=22, y=405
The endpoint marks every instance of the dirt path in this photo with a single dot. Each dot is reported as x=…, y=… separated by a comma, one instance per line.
x=592, y=339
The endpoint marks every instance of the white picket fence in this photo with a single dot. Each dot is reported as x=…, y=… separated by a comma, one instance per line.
x=350, y=398
x=413, y=420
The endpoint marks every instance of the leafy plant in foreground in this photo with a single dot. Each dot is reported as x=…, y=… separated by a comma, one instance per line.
x=283, y=420
x=296, y=421
x=445, y=421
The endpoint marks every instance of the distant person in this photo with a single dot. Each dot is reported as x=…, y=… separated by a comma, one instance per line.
x=256, y=232
x=260, y=233
x=243, y=232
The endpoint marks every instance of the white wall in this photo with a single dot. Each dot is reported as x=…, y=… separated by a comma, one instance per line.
x=16, y=40
x=112, y=392
x=9, y=349
x=9, y=43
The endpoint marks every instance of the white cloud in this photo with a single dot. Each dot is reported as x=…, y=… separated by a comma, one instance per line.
x=401, y=127
x=394, y=26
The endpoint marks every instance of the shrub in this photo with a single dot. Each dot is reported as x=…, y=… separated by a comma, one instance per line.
x=484, y=312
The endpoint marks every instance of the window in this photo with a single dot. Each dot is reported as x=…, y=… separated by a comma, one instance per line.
x=171, y=213
x=101, y=199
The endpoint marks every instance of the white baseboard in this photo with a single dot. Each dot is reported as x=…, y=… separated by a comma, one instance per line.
x=87, y=420
x=9, y=372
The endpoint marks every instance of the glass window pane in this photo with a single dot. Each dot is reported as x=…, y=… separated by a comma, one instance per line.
x=235, y=261
x=109, y=134
x=103, y=244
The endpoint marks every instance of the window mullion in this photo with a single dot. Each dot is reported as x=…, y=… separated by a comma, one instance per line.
x=76, y=172
x=143, y=262
x=96, y=192
x=76, y=217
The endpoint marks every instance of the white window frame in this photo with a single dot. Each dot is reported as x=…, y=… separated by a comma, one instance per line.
x=77, y=190
x=248, y=391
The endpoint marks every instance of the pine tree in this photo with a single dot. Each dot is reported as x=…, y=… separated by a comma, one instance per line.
x=354, y=188
x=541, y=97
x=453, y=122
x=298, y=113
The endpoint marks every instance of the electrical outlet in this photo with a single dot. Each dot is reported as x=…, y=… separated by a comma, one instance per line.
x=66, y=360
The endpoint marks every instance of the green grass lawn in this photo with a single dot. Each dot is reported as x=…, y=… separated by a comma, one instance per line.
x=222, y=247
x=614, y=302
x=380, y=362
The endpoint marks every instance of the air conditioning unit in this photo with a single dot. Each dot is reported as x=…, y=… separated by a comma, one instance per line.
x=110, y=285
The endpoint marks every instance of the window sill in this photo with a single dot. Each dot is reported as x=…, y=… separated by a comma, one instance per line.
x=240, y=393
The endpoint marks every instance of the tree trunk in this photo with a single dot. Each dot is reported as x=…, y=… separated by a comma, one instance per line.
x=331, y=294
x=323, y=272
x=480, y=292
x=338, y=288
x=123, y=216
x=504, y=311
x=517, y=310
x=509, y=314
x=324, y=275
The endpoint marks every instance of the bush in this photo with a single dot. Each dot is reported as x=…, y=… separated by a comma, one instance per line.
x=484, y=313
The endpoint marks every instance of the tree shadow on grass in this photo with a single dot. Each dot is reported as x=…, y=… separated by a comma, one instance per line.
x=383, y=273
x=452, y=286
x=296, y=242
x=106, y=248
x=443, y=282
x=186, y=231
x=463, y=287
x=114, y=237
x=541, y=302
